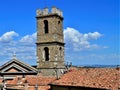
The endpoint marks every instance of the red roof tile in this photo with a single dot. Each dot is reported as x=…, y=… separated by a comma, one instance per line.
x=92, y=77
x=40, y=80
x=87, y=77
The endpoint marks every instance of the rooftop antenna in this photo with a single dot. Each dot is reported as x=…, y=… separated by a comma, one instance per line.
x=14, y=55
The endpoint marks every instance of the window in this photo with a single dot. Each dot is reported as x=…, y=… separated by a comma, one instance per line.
x=46, y=26
x=58, y=22
x=46, y=50
x=59, y=25
x=60, y=51
x=60, y=48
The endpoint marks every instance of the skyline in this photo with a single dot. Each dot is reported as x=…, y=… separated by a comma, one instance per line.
x=91, y=30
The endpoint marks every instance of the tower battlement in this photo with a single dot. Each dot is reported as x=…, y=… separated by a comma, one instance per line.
x=47, y=11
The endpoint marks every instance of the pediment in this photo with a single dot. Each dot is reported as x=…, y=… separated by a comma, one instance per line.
x=13, y=69
x=17, y=66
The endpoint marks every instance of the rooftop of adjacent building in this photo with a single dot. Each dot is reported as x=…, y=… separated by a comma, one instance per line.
x=92, y=77
x=107, y=78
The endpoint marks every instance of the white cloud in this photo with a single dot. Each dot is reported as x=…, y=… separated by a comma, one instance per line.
x=24, y=47
x=28, y=39
x=79, y=41
x=94, y=35
x=8, y=36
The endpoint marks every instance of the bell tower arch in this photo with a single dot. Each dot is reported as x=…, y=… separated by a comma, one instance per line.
x=50, y=42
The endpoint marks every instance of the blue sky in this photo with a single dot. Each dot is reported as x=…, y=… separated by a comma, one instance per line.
x=91, y=30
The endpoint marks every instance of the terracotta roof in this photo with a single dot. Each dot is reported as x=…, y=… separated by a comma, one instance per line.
x=1, y=80
x=40, y=80
x=92, y=77
x=86, y=77
x=33, y=80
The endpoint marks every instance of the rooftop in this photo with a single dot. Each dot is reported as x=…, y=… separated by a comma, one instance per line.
x=92, y=77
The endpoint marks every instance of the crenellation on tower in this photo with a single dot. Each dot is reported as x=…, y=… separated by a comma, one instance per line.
x=57, y=10
x=46, y=11
x=38, y=12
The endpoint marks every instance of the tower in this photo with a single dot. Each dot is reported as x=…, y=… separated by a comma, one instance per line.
x=50, y=42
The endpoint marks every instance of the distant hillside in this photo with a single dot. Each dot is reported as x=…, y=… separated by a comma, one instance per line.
x=97, y=66
x=102, y=66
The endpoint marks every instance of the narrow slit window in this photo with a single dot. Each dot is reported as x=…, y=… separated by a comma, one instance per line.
x=46, y=26
x=60, y=51
x=46, y=50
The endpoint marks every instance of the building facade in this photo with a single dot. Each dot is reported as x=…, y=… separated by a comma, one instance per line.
x=50, y=42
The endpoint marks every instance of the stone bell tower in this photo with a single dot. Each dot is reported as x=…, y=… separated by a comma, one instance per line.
x=50, y=42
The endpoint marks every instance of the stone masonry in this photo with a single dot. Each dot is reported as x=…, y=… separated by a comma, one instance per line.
x=50, y=42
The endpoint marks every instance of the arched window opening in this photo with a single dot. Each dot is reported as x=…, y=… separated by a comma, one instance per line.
x=46, y=26
x=46, y=50
x=60, y=48
x=58, y=22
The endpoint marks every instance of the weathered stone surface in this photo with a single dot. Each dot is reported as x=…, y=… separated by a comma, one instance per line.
x=53, y=40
